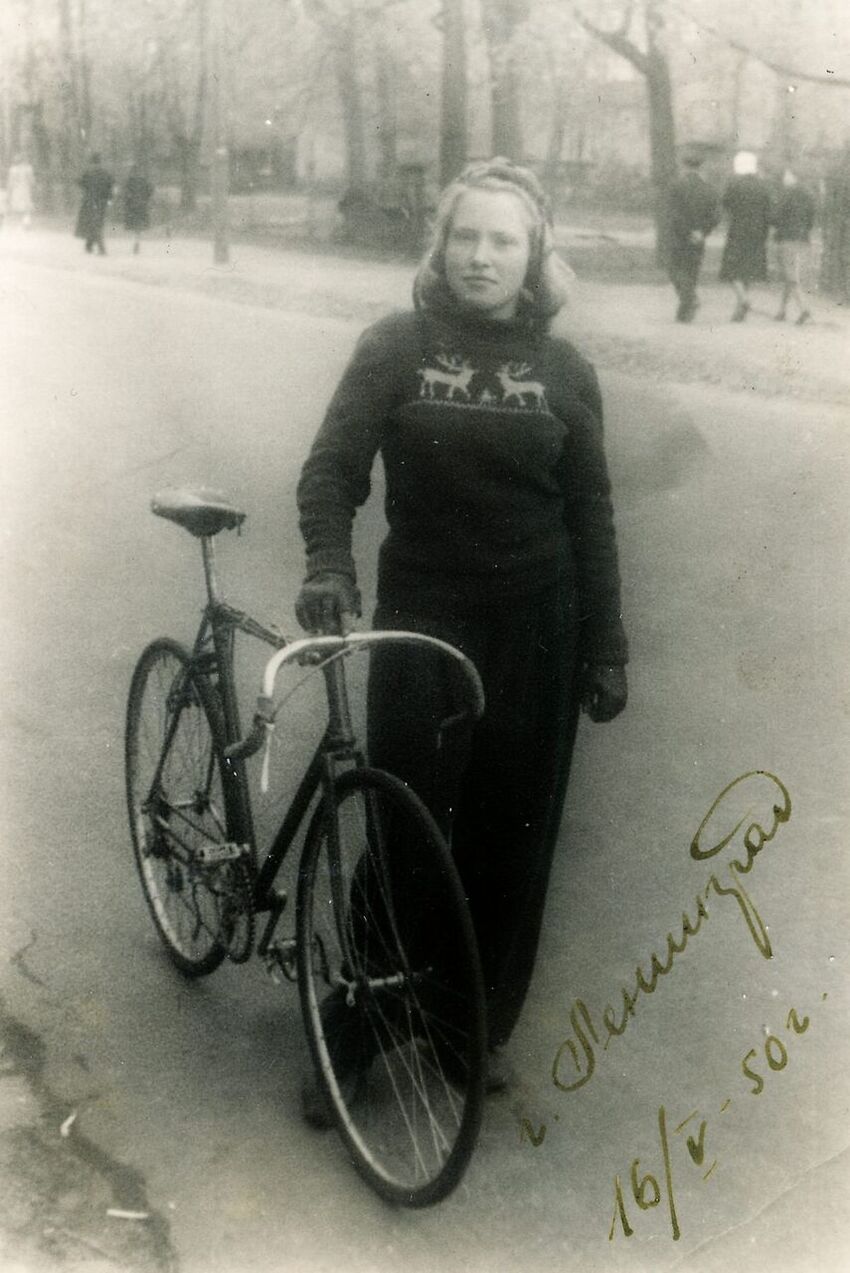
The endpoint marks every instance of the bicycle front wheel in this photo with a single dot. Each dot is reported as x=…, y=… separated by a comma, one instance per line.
x=178, y=808
x=391, y=987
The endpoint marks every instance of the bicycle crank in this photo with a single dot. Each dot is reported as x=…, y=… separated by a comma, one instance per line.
x=238, y=919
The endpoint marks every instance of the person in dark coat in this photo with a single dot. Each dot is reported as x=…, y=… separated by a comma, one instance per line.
x=97, y=186
x=793, y=221
x=501, y=541
x=746, y=202
x=694, y=213
x=137, y=196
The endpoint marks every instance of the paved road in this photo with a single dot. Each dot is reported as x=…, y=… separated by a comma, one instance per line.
x=734, y=529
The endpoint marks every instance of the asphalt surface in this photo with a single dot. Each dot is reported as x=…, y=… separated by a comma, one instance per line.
x=729, y=453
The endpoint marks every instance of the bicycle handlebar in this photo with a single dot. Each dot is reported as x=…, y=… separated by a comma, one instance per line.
x=322, y=648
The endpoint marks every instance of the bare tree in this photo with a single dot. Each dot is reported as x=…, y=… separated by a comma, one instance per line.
x=557, y=59
x=184, y=93
x=653, y=63
x=346, y=46
x=85, y=72
x=453, y=102
x=387, y=106
x=339, y=21
x=835, y=265
x=71, y=148
x=557, y=131
x=503, y=21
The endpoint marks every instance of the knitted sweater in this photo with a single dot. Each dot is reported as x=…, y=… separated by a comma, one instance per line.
x=496, y=481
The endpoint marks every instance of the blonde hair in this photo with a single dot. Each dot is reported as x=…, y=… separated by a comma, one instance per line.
x=548, y=278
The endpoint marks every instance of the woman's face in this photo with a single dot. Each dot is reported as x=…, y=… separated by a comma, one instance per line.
x=487, y=251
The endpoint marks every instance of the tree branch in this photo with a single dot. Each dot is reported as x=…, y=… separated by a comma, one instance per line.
x=617, y=40
x=626, y=20
x=779, y=68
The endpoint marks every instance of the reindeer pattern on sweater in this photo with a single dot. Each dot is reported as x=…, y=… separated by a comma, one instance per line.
x=451, y=378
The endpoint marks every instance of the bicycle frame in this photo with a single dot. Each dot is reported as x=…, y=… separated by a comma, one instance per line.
x=338, y=746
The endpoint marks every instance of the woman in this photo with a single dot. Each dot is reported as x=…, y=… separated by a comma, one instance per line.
x=746, y=201
x=501, y=541
x=21, y=180
x=97, y=185
x=137, y=196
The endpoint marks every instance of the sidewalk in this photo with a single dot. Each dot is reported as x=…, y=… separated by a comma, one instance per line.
x=620, y=326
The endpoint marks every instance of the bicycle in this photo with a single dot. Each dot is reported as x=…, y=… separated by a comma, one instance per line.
x=384, y=952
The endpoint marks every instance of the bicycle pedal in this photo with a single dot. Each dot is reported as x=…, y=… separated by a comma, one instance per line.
x=212, y=854
x=280, y=961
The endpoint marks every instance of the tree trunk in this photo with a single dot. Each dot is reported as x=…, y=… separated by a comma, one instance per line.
x=737, y=97
x=86, y=113
x=385, y=89
x=351, y=101
x=453, y=135
x=42, y=156
x=502, y=18
x=506, y=117
x=188, y=163
x=144, y=142
x=557, y=133
x=70, y=149
x=655, y=68
x=835, y=265
x=662, y=146
x=141, y=147
x=186, y=126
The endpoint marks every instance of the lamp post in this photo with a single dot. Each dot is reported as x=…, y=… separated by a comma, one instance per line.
x=220, y=168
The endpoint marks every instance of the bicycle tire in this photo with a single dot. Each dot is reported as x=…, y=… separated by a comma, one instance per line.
x=390, y=979
x=171, y=704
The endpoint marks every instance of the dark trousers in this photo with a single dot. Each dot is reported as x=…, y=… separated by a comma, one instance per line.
x=685, y=265
x=498, y=788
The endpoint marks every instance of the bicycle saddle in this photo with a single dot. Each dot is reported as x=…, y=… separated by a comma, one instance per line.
x=199, y=511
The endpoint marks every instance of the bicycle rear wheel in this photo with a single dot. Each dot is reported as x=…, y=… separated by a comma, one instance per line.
x=391, y=988
x=193, y=882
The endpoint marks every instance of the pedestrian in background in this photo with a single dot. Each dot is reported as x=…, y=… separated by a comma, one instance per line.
x=793, y=220
x=501, y=541
x=20, y=182
x=694, y=213
x=138, y=192
x=97, y=186
x=746, y=202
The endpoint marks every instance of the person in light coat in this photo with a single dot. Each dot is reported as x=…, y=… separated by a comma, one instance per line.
x=20, y=182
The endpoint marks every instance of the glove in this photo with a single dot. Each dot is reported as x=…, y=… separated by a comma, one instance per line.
x=604, y=691
x=328, y=603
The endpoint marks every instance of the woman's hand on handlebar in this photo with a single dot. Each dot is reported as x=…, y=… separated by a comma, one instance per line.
x=328, y=604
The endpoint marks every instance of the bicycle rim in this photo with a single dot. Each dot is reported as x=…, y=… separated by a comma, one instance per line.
x=391, y=988
x=177, y=805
